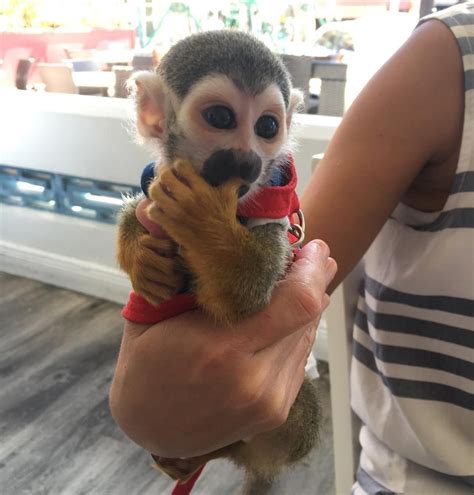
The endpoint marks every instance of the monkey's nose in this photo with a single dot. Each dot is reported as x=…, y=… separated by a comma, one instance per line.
x=223, y=165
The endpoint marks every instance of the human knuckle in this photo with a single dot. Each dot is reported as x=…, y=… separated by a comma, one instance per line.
x=270, y=410
x=213, y=362
x=332, y=263
x=247, y=396
x=250, y=391
x=323, y=247
x=308, y=303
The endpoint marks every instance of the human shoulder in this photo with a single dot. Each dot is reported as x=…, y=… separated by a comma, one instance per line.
x=442, y=69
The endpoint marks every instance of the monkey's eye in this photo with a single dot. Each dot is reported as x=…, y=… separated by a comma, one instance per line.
x=266, y=127
x=220, y=117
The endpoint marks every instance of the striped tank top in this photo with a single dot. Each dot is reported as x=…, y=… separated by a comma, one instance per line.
x=413, y=343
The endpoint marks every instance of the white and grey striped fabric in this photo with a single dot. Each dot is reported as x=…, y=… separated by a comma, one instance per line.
x=413, y=358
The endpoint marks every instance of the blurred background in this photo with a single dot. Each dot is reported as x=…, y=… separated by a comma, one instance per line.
x=90, y=47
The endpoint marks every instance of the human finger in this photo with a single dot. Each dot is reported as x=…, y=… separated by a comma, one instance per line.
x=153, y=228
x=295, y=366
x=282, y=384
x=331, y=265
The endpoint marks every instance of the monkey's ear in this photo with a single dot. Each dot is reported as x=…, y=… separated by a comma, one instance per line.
x=148, y=90
x=296, y=105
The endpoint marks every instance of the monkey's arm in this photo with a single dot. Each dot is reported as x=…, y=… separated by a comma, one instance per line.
x=153, y=276
x=231, y=286
x=234, y=268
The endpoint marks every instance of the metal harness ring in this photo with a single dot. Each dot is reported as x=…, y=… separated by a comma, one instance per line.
x=298, y=229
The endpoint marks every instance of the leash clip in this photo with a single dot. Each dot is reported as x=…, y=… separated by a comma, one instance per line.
x=297, y=229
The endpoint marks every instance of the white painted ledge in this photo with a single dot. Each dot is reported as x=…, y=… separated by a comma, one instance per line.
x=71, y=273
x=60, y=250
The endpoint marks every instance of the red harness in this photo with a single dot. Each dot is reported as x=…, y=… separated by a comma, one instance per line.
x=274, y=202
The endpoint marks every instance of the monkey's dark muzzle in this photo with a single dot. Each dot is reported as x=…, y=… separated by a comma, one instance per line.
x=223, y=165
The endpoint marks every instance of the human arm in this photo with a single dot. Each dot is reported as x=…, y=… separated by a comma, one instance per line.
x=185, y=387
x=397, y=142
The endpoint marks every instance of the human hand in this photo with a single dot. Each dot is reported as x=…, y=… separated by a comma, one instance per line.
x=185, y=387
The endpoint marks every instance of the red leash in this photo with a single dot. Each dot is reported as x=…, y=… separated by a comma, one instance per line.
x=186, y=487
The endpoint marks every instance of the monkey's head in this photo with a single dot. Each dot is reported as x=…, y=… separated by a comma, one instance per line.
x=222, y=100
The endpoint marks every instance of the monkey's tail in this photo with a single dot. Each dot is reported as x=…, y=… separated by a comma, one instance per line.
x=256, y=485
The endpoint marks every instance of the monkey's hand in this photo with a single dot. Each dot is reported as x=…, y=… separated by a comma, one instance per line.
x=234, y=268
x=154, y=273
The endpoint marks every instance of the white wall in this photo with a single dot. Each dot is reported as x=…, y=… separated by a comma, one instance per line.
x=88, y=137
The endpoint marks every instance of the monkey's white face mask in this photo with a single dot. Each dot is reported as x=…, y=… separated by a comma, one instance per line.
x=222, y=129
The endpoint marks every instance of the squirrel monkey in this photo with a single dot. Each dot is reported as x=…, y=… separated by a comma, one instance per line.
x=219, y=112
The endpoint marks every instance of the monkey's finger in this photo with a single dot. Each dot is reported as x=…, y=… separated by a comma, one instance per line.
x=146, y=257
x=153, y=292
x=181, y=223
x=162, y=183
x=153, y=299
x=161, y=211
x=180, y=177
x=157, y=268
x=191, y=192
x=187, y=174
x=173, y=196
x=165, y=247
x=229, y=190
x=169, y=278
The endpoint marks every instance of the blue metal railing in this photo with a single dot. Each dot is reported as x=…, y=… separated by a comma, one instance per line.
x=68, y=195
